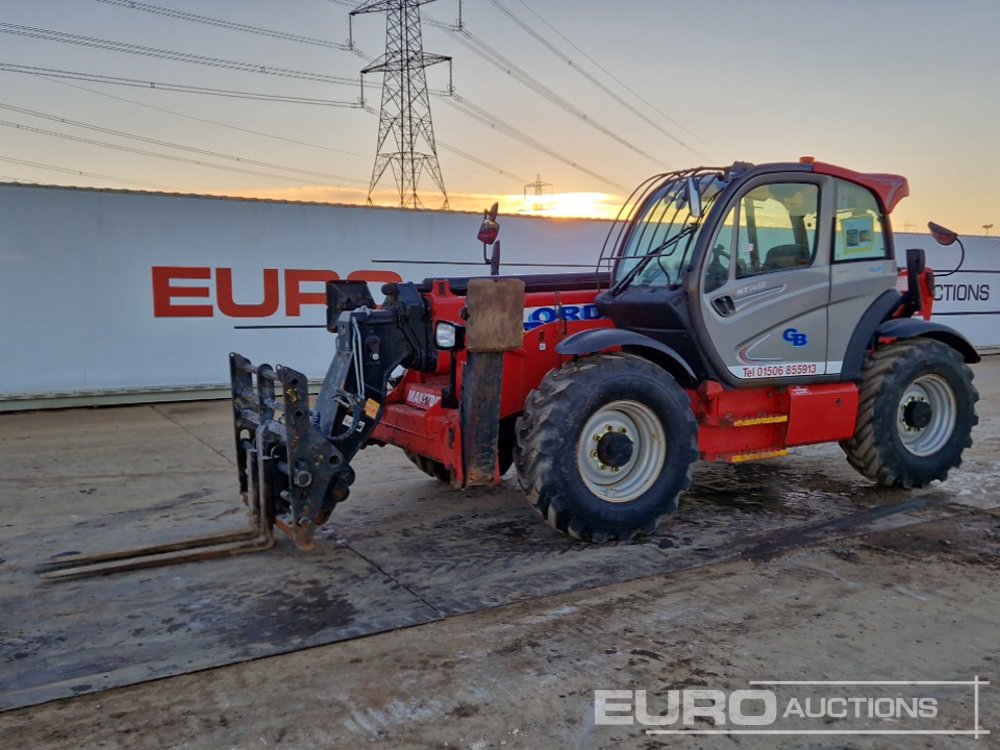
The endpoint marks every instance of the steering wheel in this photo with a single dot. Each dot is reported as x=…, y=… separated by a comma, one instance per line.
x=719, y=251
x=717, y=274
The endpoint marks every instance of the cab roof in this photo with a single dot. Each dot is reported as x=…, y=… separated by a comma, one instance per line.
x=891, y=188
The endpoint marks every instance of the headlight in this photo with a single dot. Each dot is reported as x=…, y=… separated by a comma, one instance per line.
x=445, y=335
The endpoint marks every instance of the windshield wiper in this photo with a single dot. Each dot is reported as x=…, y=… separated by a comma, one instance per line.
x=627, y=279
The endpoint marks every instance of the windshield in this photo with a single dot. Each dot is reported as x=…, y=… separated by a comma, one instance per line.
x=654, y=245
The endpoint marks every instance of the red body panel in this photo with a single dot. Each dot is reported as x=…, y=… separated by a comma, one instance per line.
x=431, y=430
x=821, y=413
x=926, y=284
x=415, y=418
x=758, y=422
x=925, y=288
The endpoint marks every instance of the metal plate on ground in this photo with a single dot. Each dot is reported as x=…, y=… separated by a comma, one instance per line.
x=404, y=550
x=462, y=552
x=66, y=638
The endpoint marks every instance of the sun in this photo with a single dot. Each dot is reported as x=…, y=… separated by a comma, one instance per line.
x=566, y=205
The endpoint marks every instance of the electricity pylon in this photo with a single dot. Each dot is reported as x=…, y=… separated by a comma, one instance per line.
x=539, y=187
x=404, y=126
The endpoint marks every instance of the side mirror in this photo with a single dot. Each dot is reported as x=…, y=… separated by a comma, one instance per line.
x=947, y=237
x=941, y=234
x=694, y=198
x=490, y=229
x=488, y=236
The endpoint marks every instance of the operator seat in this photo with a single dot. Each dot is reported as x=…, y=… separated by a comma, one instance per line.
x=786, y=256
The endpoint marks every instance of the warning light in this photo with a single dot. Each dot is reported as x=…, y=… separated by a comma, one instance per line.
x=807, y=160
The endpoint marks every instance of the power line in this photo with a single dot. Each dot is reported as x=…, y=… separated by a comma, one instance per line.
x=181, y=88
x=592, y=79
x=136, y=49
x=243, y=27
x=77, y=172
x=184, y=16
x=154, y=154
x=613, y=77
x=477, y=160
x=51, y=74
x=180, y=147
x=274, y=70
x=209, y=122
x=479, y=114
x=509, y=67
x=143, y=152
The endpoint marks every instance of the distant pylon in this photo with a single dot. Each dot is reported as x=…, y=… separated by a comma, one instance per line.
x=538, y=185
x=405, y=115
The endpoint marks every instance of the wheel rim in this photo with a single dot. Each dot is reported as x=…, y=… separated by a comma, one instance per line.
x=919, y=438
x=612, y=470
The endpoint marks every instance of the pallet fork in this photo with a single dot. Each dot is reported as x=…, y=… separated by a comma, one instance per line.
x=262, y=463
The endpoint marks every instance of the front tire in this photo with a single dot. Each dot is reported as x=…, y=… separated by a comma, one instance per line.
x=916, y=414
x=605, y=447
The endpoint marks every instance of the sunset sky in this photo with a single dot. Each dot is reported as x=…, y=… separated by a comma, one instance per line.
x=905, y=86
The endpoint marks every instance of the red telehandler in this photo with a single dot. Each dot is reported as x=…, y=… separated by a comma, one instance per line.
x=735, y=313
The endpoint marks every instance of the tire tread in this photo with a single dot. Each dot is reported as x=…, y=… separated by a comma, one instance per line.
x=873, y=450
x=540, y=440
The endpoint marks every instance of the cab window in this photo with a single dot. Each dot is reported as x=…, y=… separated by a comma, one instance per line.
x=858, y=231
x=663, y=229
x=771, y=228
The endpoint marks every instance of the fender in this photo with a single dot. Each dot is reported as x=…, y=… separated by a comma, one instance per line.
x=601, y=339
x=864, y=333
x=910, y=328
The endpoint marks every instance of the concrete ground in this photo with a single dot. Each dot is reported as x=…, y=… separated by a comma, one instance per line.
x=485, y=629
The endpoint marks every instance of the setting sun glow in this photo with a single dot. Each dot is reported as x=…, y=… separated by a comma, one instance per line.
x=565, y=205
x=558, y=205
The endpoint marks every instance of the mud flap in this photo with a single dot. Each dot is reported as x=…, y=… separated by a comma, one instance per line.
x=494, y=310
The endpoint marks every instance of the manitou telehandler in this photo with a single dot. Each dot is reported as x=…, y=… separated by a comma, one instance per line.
x=735, y=312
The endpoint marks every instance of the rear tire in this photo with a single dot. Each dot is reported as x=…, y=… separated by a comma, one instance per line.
x=430, y=467
x=916, y=414
x=605, y=447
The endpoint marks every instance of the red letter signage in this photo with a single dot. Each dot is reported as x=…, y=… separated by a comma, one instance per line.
x=164, y=294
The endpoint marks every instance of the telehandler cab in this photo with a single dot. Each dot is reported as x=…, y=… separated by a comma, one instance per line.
x=735, y=313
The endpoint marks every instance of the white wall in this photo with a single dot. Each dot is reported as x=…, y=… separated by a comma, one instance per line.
x=77, y=296
x=76, y=279
x=968, y=300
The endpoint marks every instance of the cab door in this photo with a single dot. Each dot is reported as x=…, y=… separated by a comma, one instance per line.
x=863, y=267
x=765, y=282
